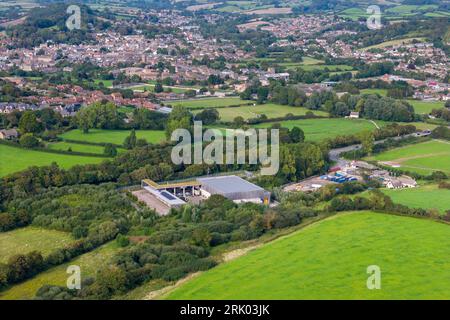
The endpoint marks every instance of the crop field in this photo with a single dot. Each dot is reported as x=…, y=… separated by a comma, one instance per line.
x=320, y=129
x=424, y=196
x=271, y=110
x=25, y=240
x=89, y=263
x=423, y=158
x=209, y=102
x=112, y=136
x=17, y=159
x=329, y=260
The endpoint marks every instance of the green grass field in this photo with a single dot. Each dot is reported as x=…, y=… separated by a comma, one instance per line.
x=208, y=102
x=381, y=92
x=422, y=158
x=17, y=159
x=25, y=240
x=89, y=263
x=425, y=107
x=76, y=147
x=393, y=43
x=329, y=260
x=424, y=196
x=112, y=136
x=319, y=129
x=271, y=110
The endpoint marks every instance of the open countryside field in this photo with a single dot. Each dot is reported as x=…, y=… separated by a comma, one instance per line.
x=381, y=92
x=208, y=102
x=329, y=260
x=424, y=196
x=423, y=158
x=112, y=136
x=76, y=147
x=394, y=43
x=320, y=129
x=425, y=107
x=89, y=263
x=25, y=240
x=17, y=159
x=271, y=110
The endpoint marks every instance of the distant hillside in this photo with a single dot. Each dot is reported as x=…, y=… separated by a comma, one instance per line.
x=49, y=24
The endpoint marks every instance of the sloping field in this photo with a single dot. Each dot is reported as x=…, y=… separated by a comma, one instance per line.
x=423, y=157
x=329, y=260
x=425, y=107
x=17, y=159
x=89, y=263
x=25, y=240
x=112, y=136
x=426, y=197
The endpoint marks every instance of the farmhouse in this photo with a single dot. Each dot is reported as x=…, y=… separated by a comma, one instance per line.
x=400, y=182
x=176, y=194
x=9, y=134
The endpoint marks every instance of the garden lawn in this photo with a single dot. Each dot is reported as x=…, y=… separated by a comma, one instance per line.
x=17, y=159
x=424, y=196
x=270, y=110
x=112, y=136
x=320, y=129
x=25, y=240
x=89, y=263
x=209, y=102
x=423, y=158
x=329, y=260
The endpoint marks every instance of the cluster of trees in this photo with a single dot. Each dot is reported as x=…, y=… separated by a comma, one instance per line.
x=49, y=24
x=11, y=93
x=443, y=113
x=181, y=243
x=441, y=132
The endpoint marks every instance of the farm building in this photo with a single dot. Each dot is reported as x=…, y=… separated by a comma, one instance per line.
x=9, y=134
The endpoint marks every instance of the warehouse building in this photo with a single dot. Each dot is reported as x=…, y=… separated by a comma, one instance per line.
x=176, y=194
x=234, y=188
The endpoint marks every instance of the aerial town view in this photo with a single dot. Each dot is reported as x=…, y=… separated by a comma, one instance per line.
x=224, y=150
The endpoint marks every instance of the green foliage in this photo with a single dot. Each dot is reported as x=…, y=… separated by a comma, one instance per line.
x=27, y=140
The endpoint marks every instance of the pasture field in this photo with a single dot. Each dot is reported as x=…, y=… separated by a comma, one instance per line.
x=329, y=260
x=423, y=158
x=17, y=159
x=271, y=110
x=89, y=263
x=425, y=196
x=425, y=107
x=209, y=102
x=310, y=67
x=393, y=43
x=320, y=129
x=76, y=147
x=25, y=240
x=106, y=83
x=112, y=136
x=381, y=92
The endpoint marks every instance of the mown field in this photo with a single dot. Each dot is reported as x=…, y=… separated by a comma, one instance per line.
x=424, y=196
x=425, y=107
x=208, y=102
x=112, y=136
x=77, y=147
x=423, y=158
x=329, y=260
x=89, y=263
x=319, y=129
x=17, y=159
x=271, y=110
x=25, y=240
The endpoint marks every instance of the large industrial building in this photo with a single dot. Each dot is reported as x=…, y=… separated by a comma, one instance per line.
x=174, y=195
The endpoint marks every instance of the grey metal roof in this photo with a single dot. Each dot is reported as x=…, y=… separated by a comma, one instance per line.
x=229, y=184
